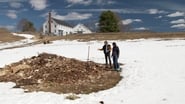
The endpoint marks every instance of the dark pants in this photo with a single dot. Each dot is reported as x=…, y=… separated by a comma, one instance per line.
x=115, y=62
x=107, y=57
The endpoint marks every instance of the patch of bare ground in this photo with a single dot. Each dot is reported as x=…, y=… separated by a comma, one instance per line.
x=6, y=36
x=53, y=73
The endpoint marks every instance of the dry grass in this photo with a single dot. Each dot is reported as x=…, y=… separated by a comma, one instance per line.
x=6, y=36
x=116, y=36
x=72, y=97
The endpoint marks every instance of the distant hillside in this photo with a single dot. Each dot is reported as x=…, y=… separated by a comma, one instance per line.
x=6, y=36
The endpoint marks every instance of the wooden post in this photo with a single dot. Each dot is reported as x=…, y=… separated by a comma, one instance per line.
x=88, y=53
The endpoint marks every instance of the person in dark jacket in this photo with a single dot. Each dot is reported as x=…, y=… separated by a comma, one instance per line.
x=115, y=56
x=107, y=50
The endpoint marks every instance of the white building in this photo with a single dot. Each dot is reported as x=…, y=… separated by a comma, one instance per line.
x=81, y=29
x=60, y=28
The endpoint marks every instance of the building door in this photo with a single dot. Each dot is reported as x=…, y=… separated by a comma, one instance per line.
x=60, y=32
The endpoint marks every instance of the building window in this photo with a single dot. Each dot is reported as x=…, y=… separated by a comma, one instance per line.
x=55, y=26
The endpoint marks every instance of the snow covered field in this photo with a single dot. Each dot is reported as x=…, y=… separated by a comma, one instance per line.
x=154, y=72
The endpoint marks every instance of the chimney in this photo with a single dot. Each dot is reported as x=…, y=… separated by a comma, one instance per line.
x=49, y=22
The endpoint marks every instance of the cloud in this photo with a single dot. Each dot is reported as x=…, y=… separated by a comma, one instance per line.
x=178, y=26
x=15, y=4
x=124, y=11
x=3, y=1
x=38, y=4
x=176, y=14
x=89, y=2
x=170, y=5
x=111, y=2
x=179, y=21
x=84, y=2
x=100, y=10
x=103, y=2
x=140, y=29
x=130, y=21
x=11, y=14
x=71, y=16
x=158, y=17
x=155, y=11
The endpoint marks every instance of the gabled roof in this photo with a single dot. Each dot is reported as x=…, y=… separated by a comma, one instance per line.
x=61, y=22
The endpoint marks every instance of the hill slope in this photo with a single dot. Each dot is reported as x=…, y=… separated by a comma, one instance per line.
x=6, y=36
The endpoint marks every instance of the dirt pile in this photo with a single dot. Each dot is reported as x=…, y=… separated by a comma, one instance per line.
x=49, y=72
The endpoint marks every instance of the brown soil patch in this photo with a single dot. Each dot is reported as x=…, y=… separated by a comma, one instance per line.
x=52, y=73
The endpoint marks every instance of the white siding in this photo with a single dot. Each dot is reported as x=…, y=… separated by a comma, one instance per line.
x=61, y=30
x=65, y=30
x=46, y=28
x=80, y=28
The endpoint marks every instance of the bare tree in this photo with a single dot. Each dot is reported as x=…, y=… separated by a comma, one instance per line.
x=25, y=25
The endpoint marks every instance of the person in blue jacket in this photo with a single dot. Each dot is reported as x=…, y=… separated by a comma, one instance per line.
x=115, y=56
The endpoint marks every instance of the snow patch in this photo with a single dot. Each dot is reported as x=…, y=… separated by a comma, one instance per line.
x=153, y=72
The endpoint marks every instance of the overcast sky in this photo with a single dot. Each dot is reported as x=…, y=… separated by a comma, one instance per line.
x=154, y=15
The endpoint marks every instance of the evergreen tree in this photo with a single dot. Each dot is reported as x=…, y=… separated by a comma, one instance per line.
x=109, y=22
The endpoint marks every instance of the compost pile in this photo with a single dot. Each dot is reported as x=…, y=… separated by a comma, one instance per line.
x=53, y=73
